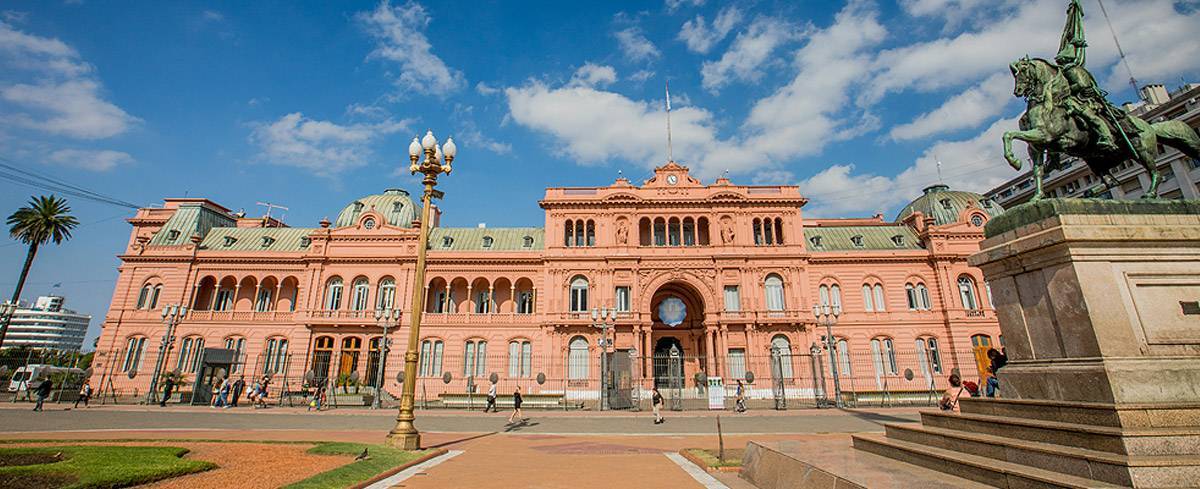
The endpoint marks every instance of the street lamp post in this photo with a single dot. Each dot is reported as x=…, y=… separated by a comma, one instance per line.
x=384, y=317
x=828, y=315
x=171, y=314
x=436, y=161
x=600, y=319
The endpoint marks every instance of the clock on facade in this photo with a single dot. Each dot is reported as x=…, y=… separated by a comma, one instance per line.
x=671, y=179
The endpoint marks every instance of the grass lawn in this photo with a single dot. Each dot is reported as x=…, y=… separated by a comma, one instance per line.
x=733, y=457
x=381, y=459
x=92, y=466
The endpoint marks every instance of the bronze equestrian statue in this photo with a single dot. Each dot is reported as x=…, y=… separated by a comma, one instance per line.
x=1067, y=113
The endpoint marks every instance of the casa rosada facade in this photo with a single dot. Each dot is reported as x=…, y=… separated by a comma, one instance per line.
x=723, y=276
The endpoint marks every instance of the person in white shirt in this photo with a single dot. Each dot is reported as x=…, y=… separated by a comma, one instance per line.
x=491, y=399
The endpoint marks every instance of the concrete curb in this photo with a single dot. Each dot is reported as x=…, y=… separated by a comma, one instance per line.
x=399, y=468
x=696, y=460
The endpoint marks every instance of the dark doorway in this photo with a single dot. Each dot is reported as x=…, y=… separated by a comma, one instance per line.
x=620, y=381
x=668, y=370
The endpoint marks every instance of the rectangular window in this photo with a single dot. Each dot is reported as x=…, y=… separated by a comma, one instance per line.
x=623, y=299
x=737, y=363
x=525, y=303
x=483, y=303
x=733, y=300
x=526, y=359
x=439, y=302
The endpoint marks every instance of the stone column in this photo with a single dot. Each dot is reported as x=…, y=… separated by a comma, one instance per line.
x=710, y=350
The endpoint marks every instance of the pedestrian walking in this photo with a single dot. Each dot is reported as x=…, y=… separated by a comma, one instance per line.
x=517, y=407
x=43, y=391
x=740, y=403
x=260, y=399
x=85, y=393
x=221, y=400
x=656, y=400
x=168, y=386
x=491, y=399
x=238, y=387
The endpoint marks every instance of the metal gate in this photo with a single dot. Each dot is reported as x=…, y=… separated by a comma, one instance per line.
x=619, y=383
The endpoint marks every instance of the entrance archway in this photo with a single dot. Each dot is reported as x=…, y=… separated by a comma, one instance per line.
x=677, y=320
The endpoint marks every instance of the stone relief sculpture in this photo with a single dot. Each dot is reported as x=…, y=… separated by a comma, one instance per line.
x=622, y=232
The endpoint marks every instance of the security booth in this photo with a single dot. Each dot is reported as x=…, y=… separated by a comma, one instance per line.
x=215, y=365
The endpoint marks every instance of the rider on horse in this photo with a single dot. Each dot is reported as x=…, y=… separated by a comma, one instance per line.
x=1086, y=100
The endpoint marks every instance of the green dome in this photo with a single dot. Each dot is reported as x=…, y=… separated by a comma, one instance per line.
x=945, y=205
x=393, y=203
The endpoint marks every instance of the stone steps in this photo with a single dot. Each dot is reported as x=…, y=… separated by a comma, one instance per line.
x=1090, y=413
x=1121, y=441
x=1079, y=462
x=986, y=470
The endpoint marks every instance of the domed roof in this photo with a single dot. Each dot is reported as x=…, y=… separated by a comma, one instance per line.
x=393, y=203
x=945, y=205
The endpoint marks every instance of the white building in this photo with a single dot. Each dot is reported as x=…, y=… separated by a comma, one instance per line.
x=1180, y=174
x=45, y=324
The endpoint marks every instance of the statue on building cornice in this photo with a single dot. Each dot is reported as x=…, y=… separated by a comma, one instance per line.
x=1067, y=113
x=622, y=232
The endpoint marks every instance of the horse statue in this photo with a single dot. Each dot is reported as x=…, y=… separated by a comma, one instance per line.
x=1051, y=130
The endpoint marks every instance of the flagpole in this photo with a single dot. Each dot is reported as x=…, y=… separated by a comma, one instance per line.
x=670, y=150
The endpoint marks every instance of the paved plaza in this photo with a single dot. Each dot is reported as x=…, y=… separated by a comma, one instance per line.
x=553, y=449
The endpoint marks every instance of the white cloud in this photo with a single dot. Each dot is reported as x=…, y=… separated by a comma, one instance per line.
x=485, y=89
x=399, y=37
x=363, y=110
x=474, y=138
x=700, y=36
x=212, y=16
x=635, y=45
x=640, y=76
x=675, y=4
x=321, y=147
x=593, y=75
x=972, y=164
x=968, y=109
x=93, y=160
x=14, y=16
x=744, y=59
x=803, y=116
x=66, y=97
x=72, y=108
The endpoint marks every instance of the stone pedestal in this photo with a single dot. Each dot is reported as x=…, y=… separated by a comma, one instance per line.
x=1099, y=305
x=1098, y=301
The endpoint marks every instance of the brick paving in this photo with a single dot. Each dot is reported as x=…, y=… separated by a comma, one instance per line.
x=553, y=450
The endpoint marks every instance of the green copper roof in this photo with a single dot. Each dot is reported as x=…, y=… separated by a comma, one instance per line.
x=944, y=205
x=255, y=239
x=393, y=203
x=473, y=239
x=841, y=238
x=189, y=219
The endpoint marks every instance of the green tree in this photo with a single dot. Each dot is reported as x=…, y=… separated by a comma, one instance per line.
x=44, y=219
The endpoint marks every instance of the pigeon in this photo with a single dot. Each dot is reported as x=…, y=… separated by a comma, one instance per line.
x=363, y=455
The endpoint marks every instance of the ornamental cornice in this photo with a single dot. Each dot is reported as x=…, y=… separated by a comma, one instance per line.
x=653, y=203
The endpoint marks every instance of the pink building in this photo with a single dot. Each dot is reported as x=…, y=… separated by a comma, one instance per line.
x=725, y=275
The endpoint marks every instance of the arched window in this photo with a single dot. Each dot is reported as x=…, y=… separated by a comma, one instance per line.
x=880, y=303
x=843, y=354
x=520, y=358
x=774, y=291
x=134, y=348
x=238, y=345
x=929, y=358
x=333, y=294
x=373, y=355
x=868, y=298
x=154, y=297
x=830, y=295
x=689, y=232
x=883, y=353
x=910, y=294
x=579, y=232
x=923, y=293
x=362, y=288
x=569, y=233
x=577, y=358
x=768, y=231
x=262, y=303
x=276, y=356
x=673, y=232
x=431, y=358
x=322, y=357
x=591, y=233
x=387, y=294
x=660, y=232
x=475, y=358
x=190, y=351
x=966, y=292
x=579, y=295
x=781, y=348
x=143, y=296
x=778, y=230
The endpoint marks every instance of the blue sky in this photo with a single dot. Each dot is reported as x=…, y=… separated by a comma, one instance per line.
x=312, y=104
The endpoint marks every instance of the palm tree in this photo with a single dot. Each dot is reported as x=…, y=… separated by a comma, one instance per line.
x=45, y=218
